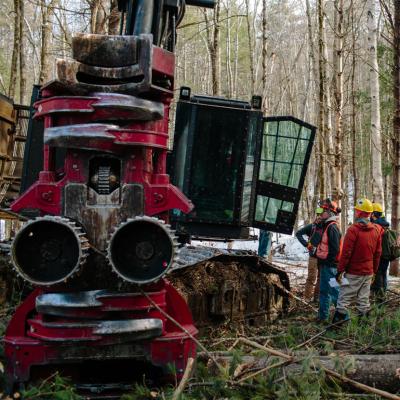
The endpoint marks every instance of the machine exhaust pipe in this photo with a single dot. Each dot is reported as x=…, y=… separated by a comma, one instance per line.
x=49, y=250
x=142, y=250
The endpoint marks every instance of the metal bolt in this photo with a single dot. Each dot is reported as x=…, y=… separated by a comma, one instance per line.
x=47, y=196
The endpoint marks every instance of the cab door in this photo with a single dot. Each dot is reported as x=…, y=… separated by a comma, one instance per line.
x=284, y=152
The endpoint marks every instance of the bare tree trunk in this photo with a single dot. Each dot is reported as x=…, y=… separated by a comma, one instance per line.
x=264, y=57
x=213, y=34
x=236, y=59
x=330, y=158
x=22, y=78
x=337, y=190
x=45, y=65
x=15, y=53
x=217, y=50
x=354, y=112
x=322, y=81
x=114, y=18
x=98, y=16
x=251, y=48
x=377, y=176
x=311, y=189
x=311, y=52
x=394, y=267
x=228, y=53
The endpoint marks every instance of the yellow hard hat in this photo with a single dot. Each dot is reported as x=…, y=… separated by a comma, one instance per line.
x=364, y=205
x=377, y=207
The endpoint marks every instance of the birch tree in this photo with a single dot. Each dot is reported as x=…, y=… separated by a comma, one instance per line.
x=47, y=12
x=250, y=47
x=229, y=71
x=213, y=46
x=353, y=123
x=377, y=176
x=14, y=59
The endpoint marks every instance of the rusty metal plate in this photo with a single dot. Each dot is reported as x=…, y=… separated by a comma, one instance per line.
x=141, y=109
x=80, y=78
x=83, y=136
x=99, y=220
x=105, y=50
x=102, y=107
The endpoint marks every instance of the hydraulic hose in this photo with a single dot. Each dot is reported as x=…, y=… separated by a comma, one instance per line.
x=144, y=17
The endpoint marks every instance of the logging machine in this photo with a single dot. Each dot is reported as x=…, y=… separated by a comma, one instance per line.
x=110, y=204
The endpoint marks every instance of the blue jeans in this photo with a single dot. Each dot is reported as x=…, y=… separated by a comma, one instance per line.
x=327, y=294
x=264, y=243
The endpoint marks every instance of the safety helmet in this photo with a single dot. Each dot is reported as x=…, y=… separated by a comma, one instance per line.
x=377, y=207
x=330, y=205
x=364, y=205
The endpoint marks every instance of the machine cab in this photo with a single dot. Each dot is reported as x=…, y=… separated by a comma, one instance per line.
x=239, y=169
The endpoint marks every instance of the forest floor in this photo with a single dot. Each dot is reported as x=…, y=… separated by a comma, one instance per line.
x=252, y=363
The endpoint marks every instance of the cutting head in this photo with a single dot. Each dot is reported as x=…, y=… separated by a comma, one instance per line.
x=48, y=250
x=142, y=249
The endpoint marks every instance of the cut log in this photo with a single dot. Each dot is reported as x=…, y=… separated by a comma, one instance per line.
x=378, y=370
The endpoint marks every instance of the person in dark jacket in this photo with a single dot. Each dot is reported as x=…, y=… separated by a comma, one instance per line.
x=379, y=286
x=313, y=232
x=328, y=252
x=362, y=248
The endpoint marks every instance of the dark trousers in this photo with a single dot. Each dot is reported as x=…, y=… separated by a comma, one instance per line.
x=380, y=283
x=264, y=243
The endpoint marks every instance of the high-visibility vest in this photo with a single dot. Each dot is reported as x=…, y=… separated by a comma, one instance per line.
x=323, y=247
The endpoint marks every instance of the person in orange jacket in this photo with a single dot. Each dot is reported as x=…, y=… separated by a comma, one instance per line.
x=359, y=261
x=328, y=251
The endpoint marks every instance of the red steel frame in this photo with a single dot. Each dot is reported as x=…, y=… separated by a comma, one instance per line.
x=28, y=341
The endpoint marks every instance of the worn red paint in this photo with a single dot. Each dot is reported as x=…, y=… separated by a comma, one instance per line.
x=141, y=146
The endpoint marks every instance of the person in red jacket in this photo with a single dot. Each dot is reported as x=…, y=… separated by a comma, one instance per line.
x=359, y=261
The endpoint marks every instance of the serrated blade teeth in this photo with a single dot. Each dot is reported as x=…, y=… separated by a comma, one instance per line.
x=51, y=251
x=146, y=250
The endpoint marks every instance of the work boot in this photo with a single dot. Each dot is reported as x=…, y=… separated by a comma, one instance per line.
x=362, y=316
x=378, y=297
x=339, y=318
x=323, y=322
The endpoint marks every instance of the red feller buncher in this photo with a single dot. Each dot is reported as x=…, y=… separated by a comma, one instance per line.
x=106, y=225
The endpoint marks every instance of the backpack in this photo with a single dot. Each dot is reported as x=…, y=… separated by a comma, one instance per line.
x=390, y=246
